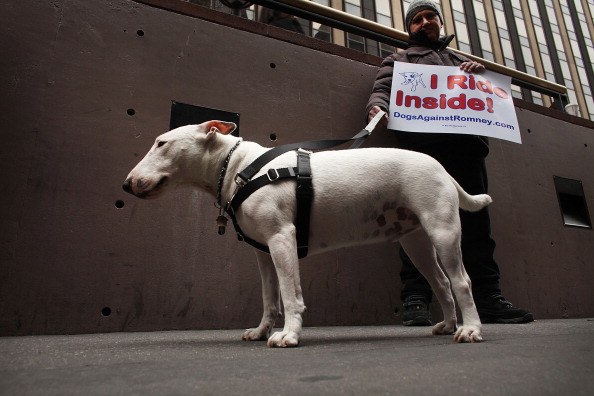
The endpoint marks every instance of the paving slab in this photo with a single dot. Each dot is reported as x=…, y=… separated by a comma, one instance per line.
x=546, y=357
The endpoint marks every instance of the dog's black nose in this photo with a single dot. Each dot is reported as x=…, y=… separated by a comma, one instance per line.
x=127, y=186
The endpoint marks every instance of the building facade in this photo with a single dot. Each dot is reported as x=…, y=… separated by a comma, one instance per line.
x=550, y=39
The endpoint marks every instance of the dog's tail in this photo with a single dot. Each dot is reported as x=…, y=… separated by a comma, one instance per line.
x=471, y=203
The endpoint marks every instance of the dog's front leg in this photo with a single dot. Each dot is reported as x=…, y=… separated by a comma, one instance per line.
x=270, y=299
x=283, y=249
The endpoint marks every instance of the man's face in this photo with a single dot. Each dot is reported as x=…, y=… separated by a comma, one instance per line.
x=427, y=21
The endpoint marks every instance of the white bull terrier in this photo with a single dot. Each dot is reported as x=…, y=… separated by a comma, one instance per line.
x=360, y=196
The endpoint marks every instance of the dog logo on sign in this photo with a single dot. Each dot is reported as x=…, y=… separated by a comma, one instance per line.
x=413, y=79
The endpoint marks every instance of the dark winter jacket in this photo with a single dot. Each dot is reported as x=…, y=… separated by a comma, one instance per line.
x=429, y=143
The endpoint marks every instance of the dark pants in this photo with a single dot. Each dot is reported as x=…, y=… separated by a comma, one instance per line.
x=477, y=244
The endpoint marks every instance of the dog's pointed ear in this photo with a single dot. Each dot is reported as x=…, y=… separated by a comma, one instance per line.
x=223, y=127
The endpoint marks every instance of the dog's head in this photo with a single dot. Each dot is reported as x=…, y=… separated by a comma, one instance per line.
x=174, y=159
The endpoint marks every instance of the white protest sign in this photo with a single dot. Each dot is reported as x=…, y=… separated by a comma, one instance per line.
x=445, y=99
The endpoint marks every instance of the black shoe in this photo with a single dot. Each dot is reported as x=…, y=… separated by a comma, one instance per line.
x=416, y=312
x=494, y=308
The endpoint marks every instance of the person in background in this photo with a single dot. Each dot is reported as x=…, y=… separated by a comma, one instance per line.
x=463, y=156
x=279, y=19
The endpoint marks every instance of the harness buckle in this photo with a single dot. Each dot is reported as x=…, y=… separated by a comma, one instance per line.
x=272, y=174
x=239, y=181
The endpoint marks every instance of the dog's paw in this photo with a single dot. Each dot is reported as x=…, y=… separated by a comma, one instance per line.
x=468, y=333
x=283, y=339
x=257, y=334
x=443, y=328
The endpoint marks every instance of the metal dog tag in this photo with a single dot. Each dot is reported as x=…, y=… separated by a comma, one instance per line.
x=222, y=223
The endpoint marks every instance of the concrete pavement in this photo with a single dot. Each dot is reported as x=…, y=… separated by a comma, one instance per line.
x=547, y=357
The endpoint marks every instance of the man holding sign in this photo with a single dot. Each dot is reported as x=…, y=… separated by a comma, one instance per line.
x=414, y=100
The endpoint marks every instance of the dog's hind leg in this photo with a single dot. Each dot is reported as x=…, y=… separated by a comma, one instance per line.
x=270, y=299
x=283, y=249
x=445, y=236
x=419, y=248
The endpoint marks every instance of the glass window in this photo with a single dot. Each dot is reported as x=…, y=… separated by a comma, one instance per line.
x=485, y=40
x=462, y=37
x=483, y=28
x=355, y=42
x=520, y=23
x=504, y=39
x=382, y=15
x=457, y=4
x=383, y=12
x=383, y=7
x=353, y=7
x=479, y=10
x=386, y=50
x=575, y=48
x=319, y=31
x=516, y=92
x=352, y=40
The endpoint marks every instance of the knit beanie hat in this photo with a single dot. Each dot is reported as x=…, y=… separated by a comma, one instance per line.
x=420, y=5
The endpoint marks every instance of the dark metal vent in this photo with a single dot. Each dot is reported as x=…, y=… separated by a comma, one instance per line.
x=186, y=114
x=572, y=202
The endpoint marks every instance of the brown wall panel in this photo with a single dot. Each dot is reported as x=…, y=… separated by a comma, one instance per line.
x=545, y=264
x=70, y=72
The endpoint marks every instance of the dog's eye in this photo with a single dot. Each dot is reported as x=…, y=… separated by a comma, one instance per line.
x=161, y=143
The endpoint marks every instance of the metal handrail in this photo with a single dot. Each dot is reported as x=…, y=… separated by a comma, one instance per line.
x=373, y=30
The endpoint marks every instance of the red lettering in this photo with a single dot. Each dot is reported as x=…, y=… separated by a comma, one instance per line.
x=399, y=97
x=433, y=83
x=457, y=102
x=471, y=82
x=457, y=80
x=485, y=86
x=490, y=105
x=430, y=103
x=500, y=92
x=442, y=101
x=408, y=101
x=476, y=104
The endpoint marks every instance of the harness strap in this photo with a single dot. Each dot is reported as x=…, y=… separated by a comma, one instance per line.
x=249, y=172
x=243, y=193
x=242, y=237
x=304, y=195
x=271, y=176
x=302, y=172
x=304, y=198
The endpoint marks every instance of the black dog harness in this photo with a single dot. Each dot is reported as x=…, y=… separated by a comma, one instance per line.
x=246, y=185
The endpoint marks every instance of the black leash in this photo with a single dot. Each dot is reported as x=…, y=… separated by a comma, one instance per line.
x=249, y=172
